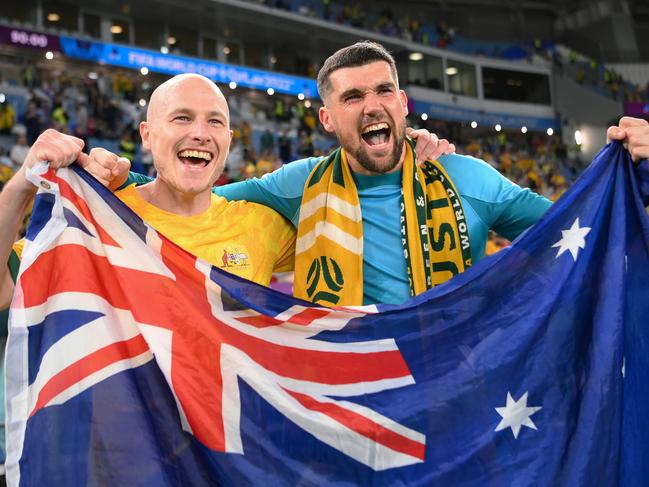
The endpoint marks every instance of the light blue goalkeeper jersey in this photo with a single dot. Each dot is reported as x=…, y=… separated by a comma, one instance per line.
x=490, y=202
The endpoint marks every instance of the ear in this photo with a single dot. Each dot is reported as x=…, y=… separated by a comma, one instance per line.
x=325, y=119
x=404, y=100
x=144, y=133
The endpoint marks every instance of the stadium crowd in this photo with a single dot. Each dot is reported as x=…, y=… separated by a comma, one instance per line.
x=103, y=111
x=382, y=20
x=105, y=108
x=441, y=34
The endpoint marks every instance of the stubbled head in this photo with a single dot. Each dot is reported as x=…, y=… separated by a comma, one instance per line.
x=364, y=106
x=188, y=132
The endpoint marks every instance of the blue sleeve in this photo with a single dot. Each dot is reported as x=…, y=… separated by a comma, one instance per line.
x=504, y=206
x=520, y=212
x=280, y=190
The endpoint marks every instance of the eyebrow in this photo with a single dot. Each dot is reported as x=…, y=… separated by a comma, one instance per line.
x=352, y=91
x=213, y=113
x=386, y=85
x=357, y=91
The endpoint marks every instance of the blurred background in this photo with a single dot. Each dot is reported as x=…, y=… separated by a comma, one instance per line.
x=528, y=86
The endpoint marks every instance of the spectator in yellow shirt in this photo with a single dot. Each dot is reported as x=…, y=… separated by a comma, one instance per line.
x=7, y=118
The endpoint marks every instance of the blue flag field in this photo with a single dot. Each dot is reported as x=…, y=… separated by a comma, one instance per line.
x=132, y=362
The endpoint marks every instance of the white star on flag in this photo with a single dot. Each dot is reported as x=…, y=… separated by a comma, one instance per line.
x=516, y=414
x=572, y=239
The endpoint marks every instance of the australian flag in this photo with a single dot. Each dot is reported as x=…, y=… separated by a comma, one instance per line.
x=132, y=362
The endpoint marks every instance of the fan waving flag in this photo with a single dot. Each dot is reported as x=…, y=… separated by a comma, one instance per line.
x=132, y=362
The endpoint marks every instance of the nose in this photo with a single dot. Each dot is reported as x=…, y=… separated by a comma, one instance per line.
x=200, y=131
x=372, y=104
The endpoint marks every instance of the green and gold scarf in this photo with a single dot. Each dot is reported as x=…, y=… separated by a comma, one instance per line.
x=329, y=247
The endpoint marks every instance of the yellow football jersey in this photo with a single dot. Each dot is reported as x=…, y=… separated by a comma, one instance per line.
x=246, y=239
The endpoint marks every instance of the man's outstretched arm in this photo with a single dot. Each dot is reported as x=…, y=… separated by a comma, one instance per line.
x=57, y=149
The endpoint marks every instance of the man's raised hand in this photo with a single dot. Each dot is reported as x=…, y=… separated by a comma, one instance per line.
x=428, y=146
x=57, y=149
x=634, y=135
x=108, y=168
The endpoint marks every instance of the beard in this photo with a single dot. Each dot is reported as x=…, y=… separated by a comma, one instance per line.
x=382, y=165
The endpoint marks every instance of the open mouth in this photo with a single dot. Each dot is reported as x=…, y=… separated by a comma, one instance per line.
x=195, y=157
x=376, y=134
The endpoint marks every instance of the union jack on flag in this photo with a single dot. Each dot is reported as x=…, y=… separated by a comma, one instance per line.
x=132, y=362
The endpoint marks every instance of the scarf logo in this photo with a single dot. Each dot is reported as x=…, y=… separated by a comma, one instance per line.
x=326, y=271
